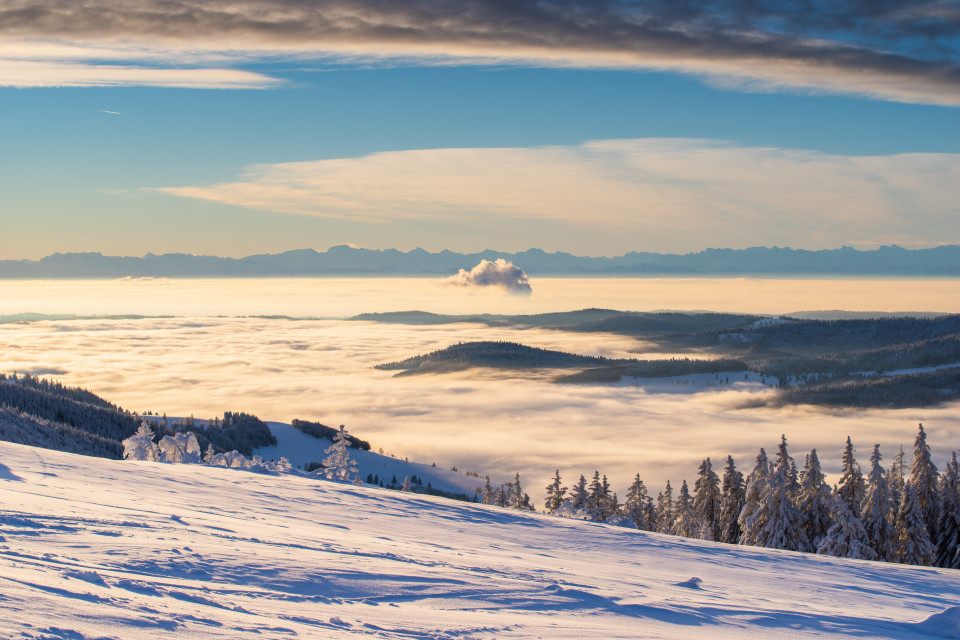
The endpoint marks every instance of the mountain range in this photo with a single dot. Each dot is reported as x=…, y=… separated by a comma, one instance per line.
x=343, y=260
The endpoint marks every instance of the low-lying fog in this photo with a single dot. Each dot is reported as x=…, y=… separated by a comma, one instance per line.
x=322, y=370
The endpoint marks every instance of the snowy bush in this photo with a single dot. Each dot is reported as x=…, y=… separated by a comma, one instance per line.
x=180, y=447
x=140, y=445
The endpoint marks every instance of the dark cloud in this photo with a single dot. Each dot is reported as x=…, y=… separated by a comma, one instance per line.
x=901, y=50
x=498, y=273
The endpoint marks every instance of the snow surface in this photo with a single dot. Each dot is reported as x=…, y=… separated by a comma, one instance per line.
x=93, y=549
x=300, y=449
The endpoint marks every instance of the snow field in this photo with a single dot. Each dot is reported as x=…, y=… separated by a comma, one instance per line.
x=94, y=549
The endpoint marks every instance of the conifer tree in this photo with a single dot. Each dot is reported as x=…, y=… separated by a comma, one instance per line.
x=814, y=501
x=209, y=454
x=608, y=504
x=339, y=465
x=756, y=485
x=518, y=499
x=706, y=502
x=785, y=462
x=895, y=479
x=877, y=512
x=488, y=493
x=407, y=487
x=776, y=523
x=500, y=497
x=636, y=508
x=851, y=486
x=665, y=510
x=914, y=546
x=578, y=496
x=685, y=520
x=595, y=499
x=846, y=538
x=923, y=477
x=731, y=502
x=948, y=544
x=555, y=493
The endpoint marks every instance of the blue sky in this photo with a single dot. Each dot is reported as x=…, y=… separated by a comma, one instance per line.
x=595, y=129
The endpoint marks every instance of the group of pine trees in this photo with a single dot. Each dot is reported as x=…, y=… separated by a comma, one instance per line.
x=908, y=515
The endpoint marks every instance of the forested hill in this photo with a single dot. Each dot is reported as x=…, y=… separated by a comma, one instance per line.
x=500, y=355
x=41, y=413
x=510, y=355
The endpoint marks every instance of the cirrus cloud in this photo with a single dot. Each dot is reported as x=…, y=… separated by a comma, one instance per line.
x=691, y=192
x=903, y=51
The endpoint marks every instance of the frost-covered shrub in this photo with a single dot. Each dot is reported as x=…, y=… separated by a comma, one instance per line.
x=140, y=445
x=180, y=447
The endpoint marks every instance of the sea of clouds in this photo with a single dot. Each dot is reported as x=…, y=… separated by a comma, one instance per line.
x=493, y=423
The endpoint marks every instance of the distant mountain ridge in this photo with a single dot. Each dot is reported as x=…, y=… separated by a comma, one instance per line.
x=343, y=260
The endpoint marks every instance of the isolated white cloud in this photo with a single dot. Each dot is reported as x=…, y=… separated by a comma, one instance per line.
x=497, y=273
x=708, y=193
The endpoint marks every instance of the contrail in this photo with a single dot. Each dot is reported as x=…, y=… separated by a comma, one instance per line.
x=116, y=113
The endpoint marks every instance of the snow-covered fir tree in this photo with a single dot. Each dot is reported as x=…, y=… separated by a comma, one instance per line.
x=776, y=523
x=756, y=485
x=731, y=502
x=924, y=478
x=948, y=527
x=140, y=446
x=913, y=541
x=685, y=520
x=517, y=499
x=407, y=486
x=339, y=464
x=209, y=454
x=877, y=511
x=578, y=496
x=790, y=469
x=814, y=500
x=609, y=504
x=664, y=518
x=895, y=479
x=487, y=495
x=846, y=538
x=555, y=493
x=706, y=501
x=637, y=506
x=851, y=487
x=596, y=499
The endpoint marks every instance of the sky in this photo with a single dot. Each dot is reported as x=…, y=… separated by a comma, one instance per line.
x=597, y=128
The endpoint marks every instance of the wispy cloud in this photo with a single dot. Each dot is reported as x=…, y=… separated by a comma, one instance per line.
x=905, y=51
x=21, y=73
x=707, y=193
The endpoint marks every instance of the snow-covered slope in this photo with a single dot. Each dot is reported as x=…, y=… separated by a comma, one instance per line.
x=301, y=449
x=94, y=549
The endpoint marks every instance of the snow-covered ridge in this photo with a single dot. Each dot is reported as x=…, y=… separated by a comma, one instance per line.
x=93, y=548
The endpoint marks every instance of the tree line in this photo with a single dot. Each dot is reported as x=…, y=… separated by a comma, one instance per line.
x=907, y=514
